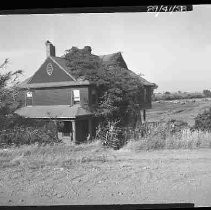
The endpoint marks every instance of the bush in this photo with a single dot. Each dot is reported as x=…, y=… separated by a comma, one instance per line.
x=151, y=135
x=19, y=131
x=173, y=134
x=184, y=139
x=111, y=135
x=27, y=135
x=203, y=121
x=15, y=130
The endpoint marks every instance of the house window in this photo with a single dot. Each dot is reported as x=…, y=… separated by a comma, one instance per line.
x=76, y=96
x=29, y=98
x=29, y=94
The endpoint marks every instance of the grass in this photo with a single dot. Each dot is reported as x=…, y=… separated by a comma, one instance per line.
x=181, y=140
x=34, y=157
x=184, y=110
x=60, y=155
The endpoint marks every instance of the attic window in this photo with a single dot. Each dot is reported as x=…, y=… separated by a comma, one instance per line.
x=49, y=69
x=76, y=96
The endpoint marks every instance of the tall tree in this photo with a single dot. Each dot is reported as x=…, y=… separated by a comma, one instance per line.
x=8, y=93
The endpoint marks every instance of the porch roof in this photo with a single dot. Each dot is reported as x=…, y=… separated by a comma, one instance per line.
x=54, y=112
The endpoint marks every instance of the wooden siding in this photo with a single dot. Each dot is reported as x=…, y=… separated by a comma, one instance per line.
x=64, y=96
x=58, y=75
x=144, y=98
x=51, y=97
x=148, y=98
x=59, y=96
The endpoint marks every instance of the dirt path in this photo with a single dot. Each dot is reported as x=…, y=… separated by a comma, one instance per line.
x=124, y=178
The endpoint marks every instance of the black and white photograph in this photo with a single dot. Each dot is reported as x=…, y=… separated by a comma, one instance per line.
x=106, y=108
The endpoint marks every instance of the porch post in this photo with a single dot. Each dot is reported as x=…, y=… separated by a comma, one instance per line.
x=140, y=118
x=54, y=121
x=90, y=128
x=74, y=130
x=144, y=115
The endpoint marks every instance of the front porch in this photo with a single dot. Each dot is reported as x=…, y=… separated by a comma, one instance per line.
x=78, y=123
x=75, y=131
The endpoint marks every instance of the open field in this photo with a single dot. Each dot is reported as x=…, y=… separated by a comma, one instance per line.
x=184, y=109
x=91, y=174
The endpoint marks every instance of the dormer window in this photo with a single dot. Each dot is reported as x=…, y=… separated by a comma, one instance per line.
x=28, y=98
x=76, y=96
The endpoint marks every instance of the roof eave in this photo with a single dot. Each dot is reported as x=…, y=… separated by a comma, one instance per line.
x=55, y=84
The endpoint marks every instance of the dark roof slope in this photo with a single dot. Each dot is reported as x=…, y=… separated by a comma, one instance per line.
x=114, y=58
x=62, y=62
x=142, y=80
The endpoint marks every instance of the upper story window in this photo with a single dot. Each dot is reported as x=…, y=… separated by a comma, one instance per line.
x=29, y=98
x=29, y=94
x=76, y=96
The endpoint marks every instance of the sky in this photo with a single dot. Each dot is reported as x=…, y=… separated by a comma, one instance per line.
x=172, y=50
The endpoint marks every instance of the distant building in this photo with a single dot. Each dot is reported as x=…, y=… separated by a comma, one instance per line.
x=53, y=92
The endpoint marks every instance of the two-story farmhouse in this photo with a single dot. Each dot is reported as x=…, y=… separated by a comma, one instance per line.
x=53, y=92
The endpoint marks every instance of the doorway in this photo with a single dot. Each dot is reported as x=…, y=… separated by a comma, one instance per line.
x=67, y=129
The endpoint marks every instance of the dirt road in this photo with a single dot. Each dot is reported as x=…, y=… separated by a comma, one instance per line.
x=122, y=177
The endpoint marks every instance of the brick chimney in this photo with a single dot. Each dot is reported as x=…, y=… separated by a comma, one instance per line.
x=50, y=49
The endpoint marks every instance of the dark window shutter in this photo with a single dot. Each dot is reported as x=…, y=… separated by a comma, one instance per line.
x=84, y=96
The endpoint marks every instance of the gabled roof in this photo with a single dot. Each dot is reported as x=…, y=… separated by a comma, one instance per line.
x=63, y=63
x=56, y=111
x=142, y=80
x=109, y=59
x=114, y=58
